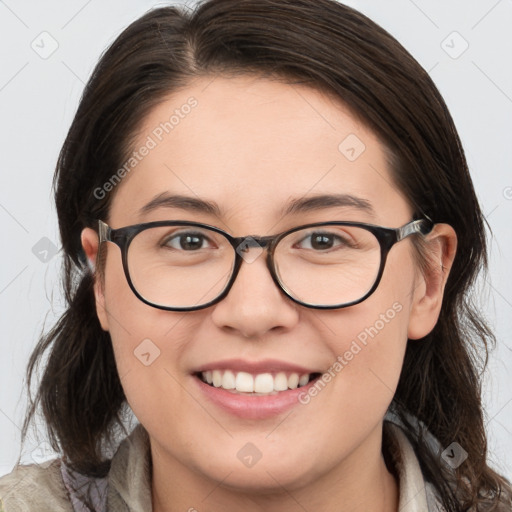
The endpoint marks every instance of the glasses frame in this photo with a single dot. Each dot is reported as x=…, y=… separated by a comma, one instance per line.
x=387, y=238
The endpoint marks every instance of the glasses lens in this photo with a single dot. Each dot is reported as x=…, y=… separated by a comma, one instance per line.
x=328, y=265
x=187, y=266
x=180, y=266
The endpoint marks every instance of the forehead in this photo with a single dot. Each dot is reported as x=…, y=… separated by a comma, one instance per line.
x=250, y=145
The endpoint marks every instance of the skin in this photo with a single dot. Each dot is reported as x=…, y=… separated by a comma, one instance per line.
x=252, y=144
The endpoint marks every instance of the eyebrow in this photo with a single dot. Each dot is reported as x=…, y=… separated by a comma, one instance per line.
x=294, y=206
x=324, y=201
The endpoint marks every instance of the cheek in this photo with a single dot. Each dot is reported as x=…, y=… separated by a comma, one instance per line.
x=370, y=352
x=129, y=319
x=368, y=342
x=147, y=342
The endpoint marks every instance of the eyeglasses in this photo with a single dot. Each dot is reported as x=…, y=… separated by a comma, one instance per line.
x=186, y=266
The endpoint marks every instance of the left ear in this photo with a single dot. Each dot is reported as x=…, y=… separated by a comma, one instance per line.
x=441, y=246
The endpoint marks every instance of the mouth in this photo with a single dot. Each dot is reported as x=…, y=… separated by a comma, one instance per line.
x=255, y=384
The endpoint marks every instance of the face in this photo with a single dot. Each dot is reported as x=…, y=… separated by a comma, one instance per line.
x=252, y=145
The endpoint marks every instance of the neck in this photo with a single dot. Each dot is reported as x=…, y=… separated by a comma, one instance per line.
x=359, y=483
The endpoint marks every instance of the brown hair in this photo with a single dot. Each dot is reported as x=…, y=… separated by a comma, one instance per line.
x=328, y=46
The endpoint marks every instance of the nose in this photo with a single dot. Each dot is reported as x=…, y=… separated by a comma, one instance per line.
x=255, y=304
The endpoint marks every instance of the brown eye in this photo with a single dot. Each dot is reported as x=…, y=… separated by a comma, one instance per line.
x=323, y=240
x=185, y=241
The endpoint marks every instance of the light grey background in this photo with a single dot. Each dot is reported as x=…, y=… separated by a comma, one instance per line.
x=39, y=94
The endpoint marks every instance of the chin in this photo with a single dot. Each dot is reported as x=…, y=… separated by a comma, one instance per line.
x=266, y=480
x=268, y=475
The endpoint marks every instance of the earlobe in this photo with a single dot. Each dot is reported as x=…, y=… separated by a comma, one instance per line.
x=90, y=244
x=441, y=247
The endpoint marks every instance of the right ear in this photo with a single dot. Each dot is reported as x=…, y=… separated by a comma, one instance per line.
x=90, y=244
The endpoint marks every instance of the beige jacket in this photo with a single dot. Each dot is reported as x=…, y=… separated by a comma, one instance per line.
x=32, y=488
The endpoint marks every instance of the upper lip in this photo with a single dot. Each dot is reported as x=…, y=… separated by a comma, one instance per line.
x=256, y=367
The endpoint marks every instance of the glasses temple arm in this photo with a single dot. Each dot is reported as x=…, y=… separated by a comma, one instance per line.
x=103, y=231
x=423, y=226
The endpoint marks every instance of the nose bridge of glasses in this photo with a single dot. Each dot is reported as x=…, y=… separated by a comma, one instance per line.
x=244, y=243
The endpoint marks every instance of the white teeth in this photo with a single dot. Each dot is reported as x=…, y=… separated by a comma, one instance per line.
x=217, y=378
x=304, y=379
x=228, y=380
x=293, y=381
x=244, y=382
x=281, y=382
x=262, y=383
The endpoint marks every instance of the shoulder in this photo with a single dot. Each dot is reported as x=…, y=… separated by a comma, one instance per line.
x=55, y=487
x=412, y=481
x=34, y=487
x=414, y=492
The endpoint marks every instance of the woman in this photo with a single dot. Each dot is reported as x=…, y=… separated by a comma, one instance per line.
x=268, y=262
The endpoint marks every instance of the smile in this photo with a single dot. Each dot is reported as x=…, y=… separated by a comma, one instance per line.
x=260, y=384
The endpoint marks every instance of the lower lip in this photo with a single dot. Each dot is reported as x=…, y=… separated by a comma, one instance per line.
x=253, y=407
